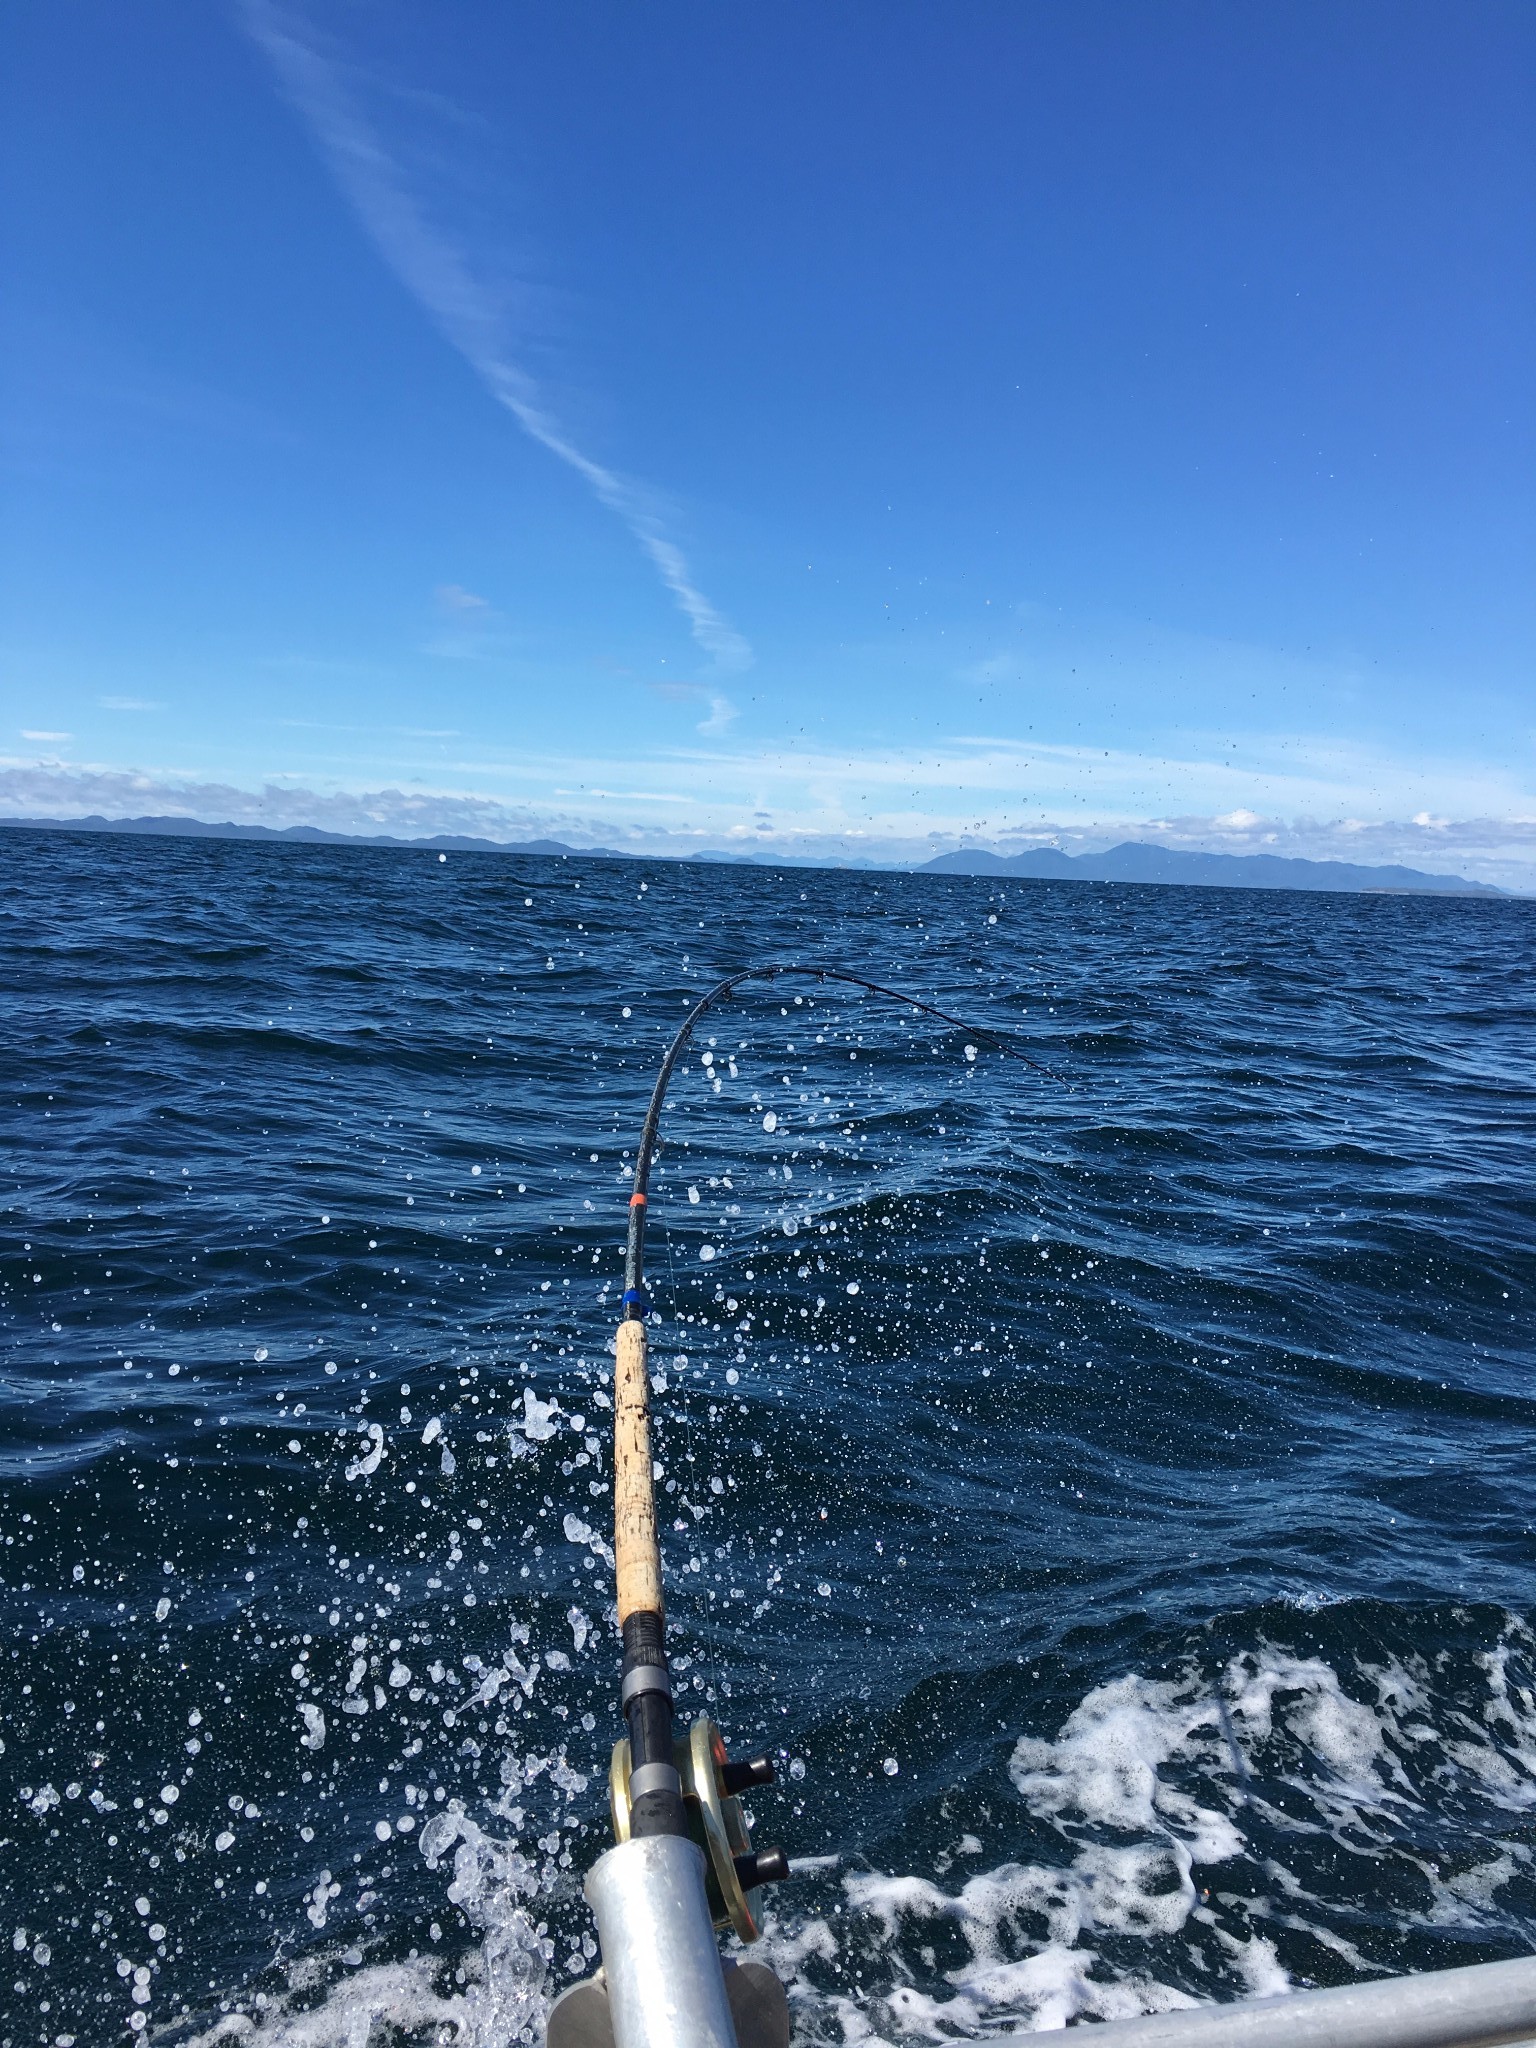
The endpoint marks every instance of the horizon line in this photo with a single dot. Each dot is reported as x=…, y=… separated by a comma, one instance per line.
x=171, y=825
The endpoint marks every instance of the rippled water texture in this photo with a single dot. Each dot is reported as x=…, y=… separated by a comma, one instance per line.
x=1111, y=1495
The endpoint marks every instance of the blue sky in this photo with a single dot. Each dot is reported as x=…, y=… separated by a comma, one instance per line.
x=840, y=430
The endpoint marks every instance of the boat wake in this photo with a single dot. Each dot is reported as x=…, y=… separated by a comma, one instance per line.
x=1221, y=1832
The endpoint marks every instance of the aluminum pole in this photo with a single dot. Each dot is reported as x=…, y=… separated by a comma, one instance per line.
x=1482, y=2006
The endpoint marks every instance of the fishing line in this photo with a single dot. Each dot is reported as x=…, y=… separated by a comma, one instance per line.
x=634, y=1301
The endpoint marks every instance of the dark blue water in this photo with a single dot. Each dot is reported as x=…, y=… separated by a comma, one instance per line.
x=1111, y=1496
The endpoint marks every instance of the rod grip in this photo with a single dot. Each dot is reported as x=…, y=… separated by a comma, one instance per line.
x=637, y=1557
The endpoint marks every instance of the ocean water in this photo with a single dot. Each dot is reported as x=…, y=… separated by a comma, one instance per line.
x=1108, y=1492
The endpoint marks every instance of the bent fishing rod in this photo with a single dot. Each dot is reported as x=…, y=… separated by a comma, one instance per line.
x=684, y=1865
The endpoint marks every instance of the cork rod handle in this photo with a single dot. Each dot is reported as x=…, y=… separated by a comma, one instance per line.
x=636, y=1553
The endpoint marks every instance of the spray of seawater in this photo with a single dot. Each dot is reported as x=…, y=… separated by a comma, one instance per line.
x=1189, y=1820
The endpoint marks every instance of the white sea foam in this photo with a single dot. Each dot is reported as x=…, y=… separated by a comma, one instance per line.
x=499, y=1993
x=1182, y=1810
x=1154, y=1789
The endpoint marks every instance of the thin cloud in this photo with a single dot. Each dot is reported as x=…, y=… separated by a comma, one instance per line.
x=722, y=712
x=472, y=629
x=629, y=796
x=129, y=704
x=48, y=738
x=722, y=715
x=440, y=277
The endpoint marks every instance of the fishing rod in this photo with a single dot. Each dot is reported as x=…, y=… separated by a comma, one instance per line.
x=684, y=1864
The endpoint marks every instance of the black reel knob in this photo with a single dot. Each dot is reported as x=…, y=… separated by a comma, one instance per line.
x=761, y=1866
x=741, y=1777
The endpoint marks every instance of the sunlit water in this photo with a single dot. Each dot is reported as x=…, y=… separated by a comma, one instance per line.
x=1110, y=1496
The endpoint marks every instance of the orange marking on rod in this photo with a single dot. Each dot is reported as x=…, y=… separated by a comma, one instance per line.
x=634, y=1199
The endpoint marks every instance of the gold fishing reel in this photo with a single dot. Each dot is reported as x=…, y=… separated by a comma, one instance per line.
x=711, y=1785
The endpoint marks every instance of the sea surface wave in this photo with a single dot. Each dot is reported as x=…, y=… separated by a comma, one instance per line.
x=1108, y=1492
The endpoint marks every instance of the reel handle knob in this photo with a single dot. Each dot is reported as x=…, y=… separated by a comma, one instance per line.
x=761, y=1866
x=741, y=1777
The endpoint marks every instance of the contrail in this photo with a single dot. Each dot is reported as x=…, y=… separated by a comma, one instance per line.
x=434, y=270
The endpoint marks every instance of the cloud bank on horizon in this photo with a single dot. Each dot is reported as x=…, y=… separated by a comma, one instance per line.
x=1498, y=849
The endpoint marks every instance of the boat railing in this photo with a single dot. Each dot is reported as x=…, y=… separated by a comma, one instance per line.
x=1480, y=2006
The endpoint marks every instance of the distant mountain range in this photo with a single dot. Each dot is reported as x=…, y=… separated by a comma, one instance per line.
x=311, y=835
x=1134, y=861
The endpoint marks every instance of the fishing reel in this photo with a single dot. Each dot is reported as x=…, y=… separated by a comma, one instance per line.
x=712, y=1786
